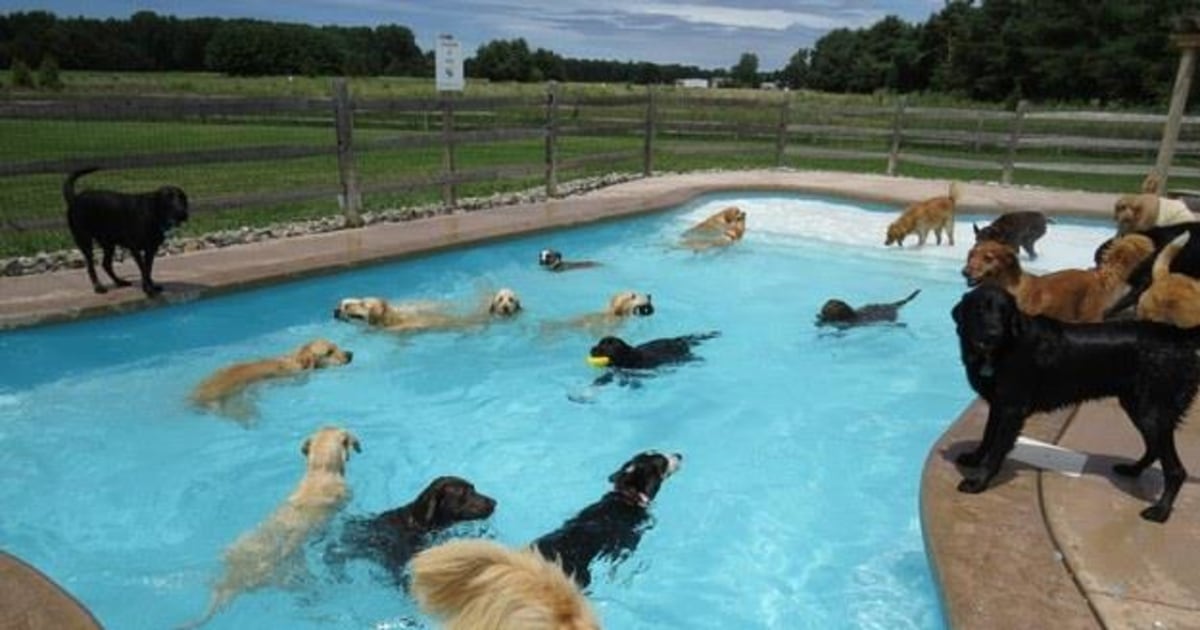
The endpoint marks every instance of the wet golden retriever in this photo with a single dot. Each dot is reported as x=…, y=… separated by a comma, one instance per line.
x=930, y=215
x=480, y=585
x=216, y=392
x=722, y=228
x=1172, y=298
x=1070, y=295
x=621, y=306
x=259, y=557
x=1134, y=213
x=425, y=316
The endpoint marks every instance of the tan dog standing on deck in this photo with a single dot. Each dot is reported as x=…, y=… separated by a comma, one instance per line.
x=1070, y=295
x=935, y=214
x=1134, y=213
x=480, y=585
x=257, y=557
x=216, y=391
x=425, y=316
x=720, y=229
x=1172, y=298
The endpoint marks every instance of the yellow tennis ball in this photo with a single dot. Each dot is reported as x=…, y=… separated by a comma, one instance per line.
x=599, y=362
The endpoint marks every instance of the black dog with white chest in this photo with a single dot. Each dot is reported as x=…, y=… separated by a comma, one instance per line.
x=613, y=526
x=390, y=539
x=136, y=222
x=1022, y=365
x=552, y=260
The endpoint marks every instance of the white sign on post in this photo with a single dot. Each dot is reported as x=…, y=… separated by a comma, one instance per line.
x=448, y=61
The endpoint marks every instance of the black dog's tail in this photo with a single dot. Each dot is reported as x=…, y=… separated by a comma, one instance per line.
x=68, y=188
x=693, y=340
x=907, y=299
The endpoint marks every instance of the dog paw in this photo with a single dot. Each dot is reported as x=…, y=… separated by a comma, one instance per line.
x=99, y=289
x=152, y=290
x=972, y=485
x=970, y=459
x=1126, y=470
x=1156, y=513
x=122, y=283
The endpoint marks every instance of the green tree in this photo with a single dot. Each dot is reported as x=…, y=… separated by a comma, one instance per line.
x=503, y=60
x=795, y=74
x=48, y=78
x=22, y=76
x=745, y=71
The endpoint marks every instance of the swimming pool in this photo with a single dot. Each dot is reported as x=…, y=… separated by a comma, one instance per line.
x=795, y=508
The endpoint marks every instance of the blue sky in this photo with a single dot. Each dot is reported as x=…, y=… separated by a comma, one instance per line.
x=706, y=33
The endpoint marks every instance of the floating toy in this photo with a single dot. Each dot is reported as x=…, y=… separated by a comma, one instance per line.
x=599, y=362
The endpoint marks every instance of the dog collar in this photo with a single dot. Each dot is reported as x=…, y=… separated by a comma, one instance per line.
x=638, y=499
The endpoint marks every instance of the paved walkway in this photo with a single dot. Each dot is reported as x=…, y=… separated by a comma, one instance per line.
x=1039, y=550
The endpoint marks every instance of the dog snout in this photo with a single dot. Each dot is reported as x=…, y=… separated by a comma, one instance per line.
x=349, y=356
x=674, y=461
x=644, y=309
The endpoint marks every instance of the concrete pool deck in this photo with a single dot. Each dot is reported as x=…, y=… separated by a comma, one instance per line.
x=1039, y=549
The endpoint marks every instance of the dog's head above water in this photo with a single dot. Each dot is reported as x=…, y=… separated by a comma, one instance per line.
x=329, y=449
x=639, y=479
x=321, y=353
x=505, y=303
x=834, y=312
x=448, y=500
x=631, y=303
x=549, y=257
x=370, y=310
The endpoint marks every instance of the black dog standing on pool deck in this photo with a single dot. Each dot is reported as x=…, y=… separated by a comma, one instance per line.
x=1021, y=365
x=552, y=260
x=613, y=526
x=1015, y=229
x=137, y=222
x=841, y=315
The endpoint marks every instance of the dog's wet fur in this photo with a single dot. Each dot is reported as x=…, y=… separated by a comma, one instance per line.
x=839, y=314
x=1015, y=229
x=1022, y=365
x=552, y=260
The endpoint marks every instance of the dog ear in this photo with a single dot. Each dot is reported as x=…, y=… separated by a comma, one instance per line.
x=350, y=442
x=307, y=359
x=304, y=447
x=976, y=228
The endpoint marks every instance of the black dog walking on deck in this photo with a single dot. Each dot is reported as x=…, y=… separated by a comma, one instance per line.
x=1015, y=229
x=612, y=527
x=1022, y=365
x=839, y=314
x=136, y=222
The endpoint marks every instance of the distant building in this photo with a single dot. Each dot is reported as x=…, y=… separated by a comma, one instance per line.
x=691, y=83
x=768, y=85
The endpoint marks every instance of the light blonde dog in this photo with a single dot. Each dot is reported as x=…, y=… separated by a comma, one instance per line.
x=1143, y=211
x=258, y=557
x=480, y=585
x=930, y=215
x=425, y=316
x=216, y=391
x=718, y=230
x=1070, y=295
x=621, y=306
x=1171, y=298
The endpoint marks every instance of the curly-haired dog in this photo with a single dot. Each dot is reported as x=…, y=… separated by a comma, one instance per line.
x=255, y=559
x=1172, y=298
x=137, y=222
x=1071, y=295
x=612, y=527
x=931, y=215
x=1146, y=210
x=1015, y=229
x=216, y=390
x=481, y=585
x=1023, y=365
x=722, y=228
x=425, y=316
x=839, y=314
x=552, y=260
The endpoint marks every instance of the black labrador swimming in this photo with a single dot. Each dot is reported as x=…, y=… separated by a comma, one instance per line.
x=391, y=538
x=612, y=527
x=841, y=315
x=1022, y=365
x=1186, y=262
x=552, y=260
x=1015, y=229
x=631, y=362
x=136, y=222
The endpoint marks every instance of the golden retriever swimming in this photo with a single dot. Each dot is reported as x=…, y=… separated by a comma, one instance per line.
x=1172, y=298
x=1070, y=295
x=621, y=306
x=425, y=316
x=931, y=215
x=257, y=557
x=480, y=585
x=1134, y=213
x=216, y=391
x=722, y=228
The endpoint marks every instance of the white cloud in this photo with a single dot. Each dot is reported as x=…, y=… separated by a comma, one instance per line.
x=766, y=19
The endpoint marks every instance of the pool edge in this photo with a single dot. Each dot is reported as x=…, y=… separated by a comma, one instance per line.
x=30, y=600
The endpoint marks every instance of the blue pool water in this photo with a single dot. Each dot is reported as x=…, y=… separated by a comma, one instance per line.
x=796, y=506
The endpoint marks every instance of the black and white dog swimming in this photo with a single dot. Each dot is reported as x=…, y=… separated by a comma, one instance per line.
x=612, y=527
x=552, y=260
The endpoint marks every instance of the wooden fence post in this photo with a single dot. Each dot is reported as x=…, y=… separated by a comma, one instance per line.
x=343, y=117
x=648, y=140
x=897, y=127
x=781, y=137
x=1014, y=139
x=552, y=96
x=1179, y=95
x=449, y=190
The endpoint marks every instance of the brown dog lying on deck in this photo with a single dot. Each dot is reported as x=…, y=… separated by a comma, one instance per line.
x=425, y=316
x=921, y=218
x=1172, y=298
x=722, y=228
x=218, y=390
x=1070, y=295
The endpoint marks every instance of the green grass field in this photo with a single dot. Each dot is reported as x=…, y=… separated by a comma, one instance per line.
x=27, y=197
